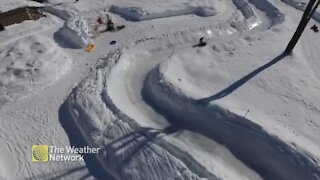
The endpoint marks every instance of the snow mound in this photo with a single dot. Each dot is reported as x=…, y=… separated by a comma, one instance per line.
x=76, y=32
x=140, y=14
x=28, y=65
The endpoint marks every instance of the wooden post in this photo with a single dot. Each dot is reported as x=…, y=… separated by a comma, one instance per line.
x=302, y=25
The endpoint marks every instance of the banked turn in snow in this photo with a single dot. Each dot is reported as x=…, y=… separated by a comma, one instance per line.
x=129, y=151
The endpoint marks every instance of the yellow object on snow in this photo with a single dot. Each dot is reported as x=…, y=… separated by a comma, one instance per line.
x=90, y=47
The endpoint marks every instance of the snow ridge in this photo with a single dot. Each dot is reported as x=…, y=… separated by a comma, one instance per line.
x=140, y=14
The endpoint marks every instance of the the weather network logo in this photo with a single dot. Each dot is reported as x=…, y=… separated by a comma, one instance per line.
x=40, y=153
x=45, y=153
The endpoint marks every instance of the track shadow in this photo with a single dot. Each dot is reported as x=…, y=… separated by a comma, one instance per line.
x=76, y=139
x=124, y=148
x=241, y=81
x=143, y=144
x=266, y=154
x=120, y=151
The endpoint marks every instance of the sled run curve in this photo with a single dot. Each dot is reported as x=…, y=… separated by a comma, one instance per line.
x=126, y=108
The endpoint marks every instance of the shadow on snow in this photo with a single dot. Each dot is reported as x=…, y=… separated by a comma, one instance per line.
x=241, y=81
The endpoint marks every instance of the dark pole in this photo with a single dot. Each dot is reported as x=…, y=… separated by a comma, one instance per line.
x=302, y=25
x=314, y=9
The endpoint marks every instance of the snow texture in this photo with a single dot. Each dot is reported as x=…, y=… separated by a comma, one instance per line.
x=29, y=65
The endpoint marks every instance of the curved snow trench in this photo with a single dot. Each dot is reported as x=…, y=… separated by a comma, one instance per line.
x=129, y=151
x=109, y=110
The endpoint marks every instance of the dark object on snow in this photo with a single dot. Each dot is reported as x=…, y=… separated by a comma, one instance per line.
x=315, y=28
x=110, y=25
x=120, y=27
x=1, y=27
x=113, y=42
x=309, y=11
x=39, y=1
x=202, y=43
x=99, y=20
x=19, y=15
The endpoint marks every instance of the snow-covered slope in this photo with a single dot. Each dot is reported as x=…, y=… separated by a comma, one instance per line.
x=158, y=105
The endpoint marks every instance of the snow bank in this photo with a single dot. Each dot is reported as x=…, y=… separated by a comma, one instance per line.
x=76, y=32
x=244, y=7
x=237, y=133
x=140, y=14
x=34, y=4
x=29, y=65
x=274, y=14
x=130, y=151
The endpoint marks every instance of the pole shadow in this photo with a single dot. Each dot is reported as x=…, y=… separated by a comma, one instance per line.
x=234, y=86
